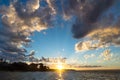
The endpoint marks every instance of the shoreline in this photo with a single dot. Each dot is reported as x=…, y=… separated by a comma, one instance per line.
x=64, y=70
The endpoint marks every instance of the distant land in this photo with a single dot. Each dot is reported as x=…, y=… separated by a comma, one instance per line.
x=20, y=66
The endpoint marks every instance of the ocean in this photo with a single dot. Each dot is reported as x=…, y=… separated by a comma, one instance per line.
x=61, y=75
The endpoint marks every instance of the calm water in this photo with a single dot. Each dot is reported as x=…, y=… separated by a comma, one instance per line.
x=66, y=75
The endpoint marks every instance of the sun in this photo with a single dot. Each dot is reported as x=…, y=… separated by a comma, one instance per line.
x=59, y=67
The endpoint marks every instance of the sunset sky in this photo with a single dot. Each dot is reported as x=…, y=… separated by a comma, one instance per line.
x=86, y=32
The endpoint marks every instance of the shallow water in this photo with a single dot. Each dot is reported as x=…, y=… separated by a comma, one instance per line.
x=66, y=75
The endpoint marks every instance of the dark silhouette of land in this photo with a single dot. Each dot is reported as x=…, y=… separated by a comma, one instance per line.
x=21, y=66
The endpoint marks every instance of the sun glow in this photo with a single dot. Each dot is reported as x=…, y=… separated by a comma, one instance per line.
x=59, y=66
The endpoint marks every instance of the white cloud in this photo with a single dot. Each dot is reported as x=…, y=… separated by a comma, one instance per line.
x=33, y=5
x=87, y=56
x=51, y=6
x=106, y=55
x=100, y=38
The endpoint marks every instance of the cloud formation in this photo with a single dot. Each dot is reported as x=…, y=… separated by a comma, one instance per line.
x=88, y=13
x=82, y=46
x=94, y=22
x=95, y=26
x=106, y=55
x=100, y=38
x=18, y=21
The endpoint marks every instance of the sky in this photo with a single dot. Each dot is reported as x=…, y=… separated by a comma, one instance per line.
x=86, y=32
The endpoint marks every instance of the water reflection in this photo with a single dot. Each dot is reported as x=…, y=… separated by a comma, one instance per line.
x=60, y=75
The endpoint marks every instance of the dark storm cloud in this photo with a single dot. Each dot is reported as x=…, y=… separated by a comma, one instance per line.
x=88, y=14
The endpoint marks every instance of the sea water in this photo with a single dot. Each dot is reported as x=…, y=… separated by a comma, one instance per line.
x=61, y=75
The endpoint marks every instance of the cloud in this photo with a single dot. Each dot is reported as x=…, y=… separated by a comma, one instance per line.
x=108, y=35
x=106, y=55
x=82, y=46
x=32, y=53
x=90, y=66
x=95, y=26
x=86, y=56
x=18, y=22
x=51, y=4
x=88, y=45
x=88, y=13
x=100, y=38
x=32, y=5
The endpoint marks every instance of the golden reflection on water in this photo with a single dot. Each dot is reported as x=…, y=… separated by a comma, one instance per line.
x=60, y=76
